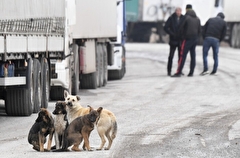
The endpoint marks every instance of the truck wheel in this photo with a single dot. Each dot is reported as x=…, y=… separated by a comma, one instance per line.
x=238, y=34
x=105, y=64
x=124, y=60
x=75, y=70
x=19, y=101
x=100, y=64
x=37, y=89
x=118, y=74
x=45, y=82
x=89, y=81
x=57, y=93
x=234, y=36
x=97, y=66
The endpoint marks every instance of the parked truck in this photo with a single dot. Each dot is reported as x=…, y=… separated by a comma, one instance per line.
x=151, y=16
x=47, y=46
x=232, y=17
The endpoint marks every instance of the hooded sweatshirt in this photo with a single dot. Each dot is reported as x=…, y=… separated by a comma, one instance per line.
x=190, y=28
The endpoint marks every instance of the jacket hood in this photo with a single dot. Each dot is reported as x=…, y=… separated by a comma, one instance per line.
x=221, y=15
x=191, y=13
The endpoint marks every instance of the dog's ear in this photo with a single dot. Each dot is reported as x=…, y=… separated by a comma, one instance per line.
x=40, y=116
x=99, y=110
x=90, y=108
x=65, y=94
x=64, y=104
x=78, y=98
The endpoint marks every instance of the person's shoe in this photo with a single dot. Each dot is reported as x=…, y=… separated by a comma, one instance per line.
x=182, y=74
x=204, y=73
x=169, y=73
x=213, y=73
x=190, y=75
x=176, y=75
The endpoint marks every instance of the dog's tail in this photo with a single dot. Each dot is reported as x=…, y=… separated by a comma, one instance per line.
x=60, y=150
x=114, y=129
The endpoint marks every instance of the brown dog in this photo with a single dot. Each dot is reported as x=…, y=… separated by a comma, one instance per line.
x=79, y=129
x=106, y=126
x=43, y=126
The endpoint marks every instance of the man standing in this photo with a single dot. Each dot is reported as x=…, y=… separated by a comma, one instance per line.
x=171, y=28
x=189, y=31
x=213, y=33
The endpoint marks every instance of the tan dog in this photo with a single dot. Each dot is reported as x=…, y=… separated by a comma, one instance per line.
x=106, y=125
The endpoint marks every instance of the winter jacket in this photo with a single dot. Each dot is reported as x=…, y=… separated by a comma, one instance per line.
x=190, y=28
x=171, y=28
x=215, y=27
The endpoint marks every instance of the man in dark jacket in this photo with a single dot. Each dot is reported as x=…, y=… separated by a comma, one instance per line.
x=171, y=28
x=189, y=31
x=213, y=33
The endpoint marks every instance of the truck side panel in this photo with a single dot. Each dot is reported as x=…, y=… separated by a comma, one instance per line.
x=22, y=9
x=231, y=10
x=96, y=19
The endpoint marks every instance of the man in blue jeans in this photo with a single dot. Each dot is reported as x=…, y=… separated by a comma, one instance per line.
x=213, y=33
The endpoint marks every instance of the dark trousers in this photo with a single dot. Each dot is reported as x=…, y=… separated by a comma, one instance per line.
x=186, y=46
x=171, y=55
x=207, y=44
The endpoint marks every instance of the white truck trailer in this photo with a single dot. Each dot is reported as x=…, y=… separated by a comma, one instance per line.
x=47, y=46
x=232, y=17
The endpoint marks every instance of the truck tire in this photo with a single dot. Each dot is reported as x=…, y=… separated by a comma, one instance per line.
x=89, y=81
x=19, y=101
x=105, y=64
x=234, y=36
x=57, y=93
x=118, y=74
x=238, y=38
x=100, y=64
x=110, y=53
x=45, y=82
x=37, y=89
x=75, y=70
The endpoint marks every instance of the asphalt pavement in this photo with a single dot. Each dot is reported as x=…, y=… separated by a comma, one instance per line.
x=158, y=116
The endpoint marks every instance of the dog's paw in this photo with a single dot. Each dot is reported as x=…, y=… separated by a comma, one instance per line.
x=99, y=149
x=46, y=150
x=106, y=148
x=36, y=148
x=53, y=147
x=75, y=149
x=91, y=149
x=84, y=148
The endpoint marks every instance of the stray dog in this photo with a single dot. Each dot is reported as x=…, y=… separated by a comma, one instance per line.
x=79, y=129
x=106, y=125
x=60, y=122
x=43, y=126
